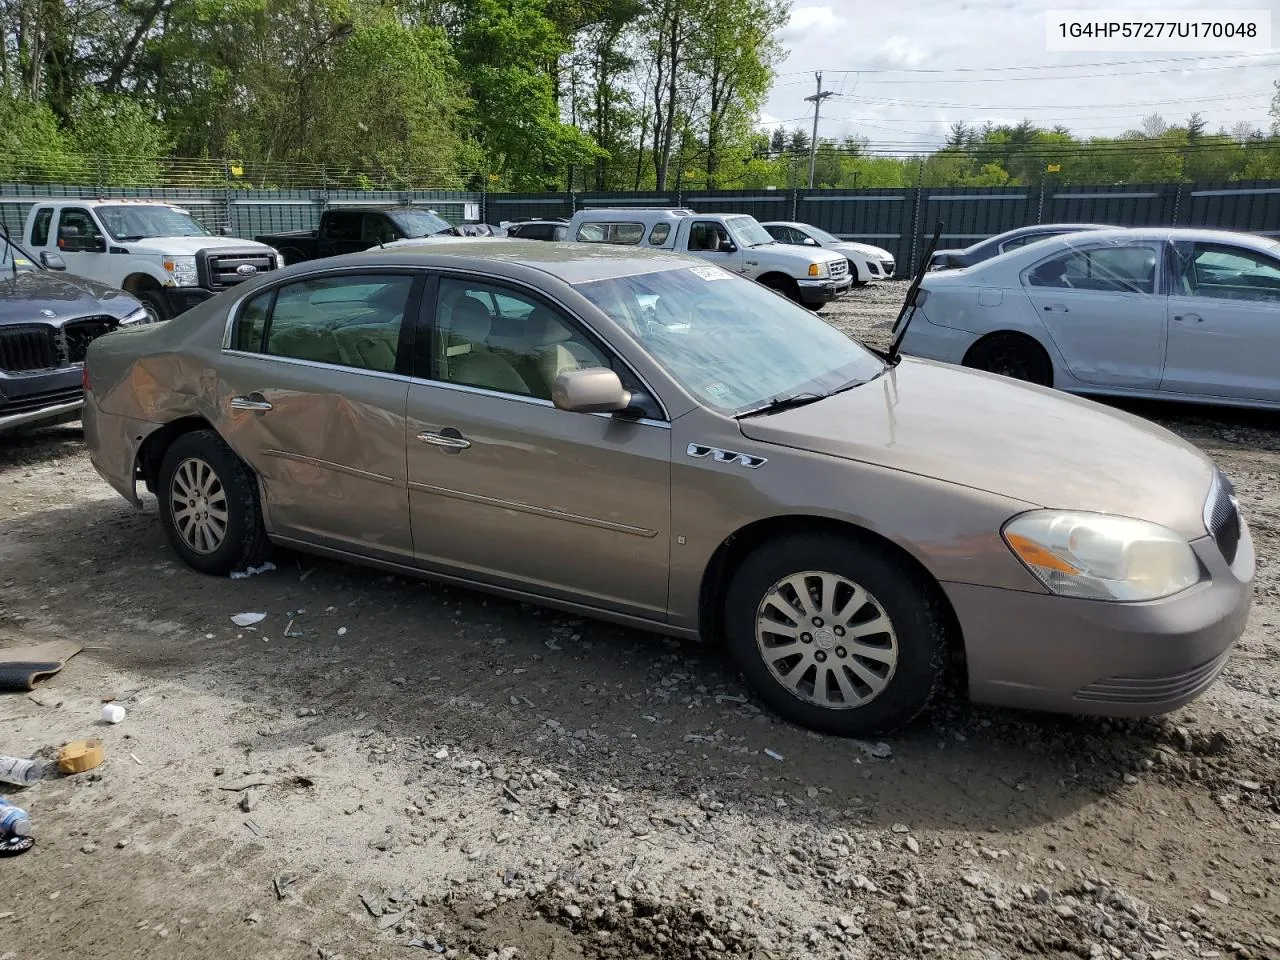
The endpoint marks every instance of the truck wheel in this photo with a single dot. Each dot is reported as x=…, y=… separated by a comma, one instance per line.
x=785, y=286
x=837, y=634
x=153, y=302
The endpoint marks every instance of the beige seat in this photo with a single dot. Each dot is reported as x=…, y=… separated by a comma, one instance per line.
x=369, y=346
x=466, y=358
x=554, y=350
x=303, y=343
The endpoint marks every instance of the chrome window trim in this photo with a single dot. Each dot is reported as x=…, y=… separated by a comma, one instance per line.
x=517, y=398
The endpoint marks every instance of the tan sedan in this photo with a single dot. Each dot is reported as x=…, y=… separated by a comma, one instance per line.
x=651, y=440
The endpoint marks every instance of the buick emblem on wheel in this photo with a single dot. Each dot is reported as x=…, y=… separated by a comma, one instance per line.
x=246, y=269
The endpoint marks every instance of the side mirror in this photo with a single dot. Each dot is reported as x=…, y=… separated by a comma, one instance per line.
x=224, y=231
x=52, y=261
x=590, y=390
x=729, y=247
x=810, y=242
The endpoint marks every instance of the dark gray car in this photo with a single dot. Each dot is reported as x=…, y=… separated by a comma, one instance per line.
x=47, y=320
x=1003, y=243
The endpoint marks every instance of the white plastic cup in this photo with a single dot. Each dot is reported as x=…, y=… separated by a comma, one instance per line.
x=112, y=713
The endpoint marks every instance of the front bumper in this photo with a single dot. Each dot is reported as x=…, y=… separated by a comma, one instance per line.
x=181, y=299
x=1043, y=652
x=42, y=398
x=823, y=291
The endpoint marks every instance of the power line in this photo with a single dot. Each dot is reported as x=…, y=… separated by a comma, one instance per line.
x=1048, y=66
x=1061, y=106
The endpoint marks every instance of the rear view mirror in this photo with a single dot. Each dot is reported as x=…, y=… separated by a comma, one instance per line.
x=591, y=390
x=52, y=261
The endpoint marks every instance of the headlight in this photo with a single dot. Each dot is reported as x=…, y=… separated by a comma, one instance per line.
x=183, y=271
x=138, y=316
x=1100, y=557
x=817, y=269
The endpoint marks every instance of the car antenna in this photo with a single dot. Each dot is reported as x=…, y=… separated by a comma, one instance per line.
x=909, y=304
x=12, y=250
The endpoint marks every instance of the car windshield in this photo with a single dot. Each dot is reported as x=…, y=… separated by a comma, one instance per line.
x=126, y=223
x=419, y=223
x=733, y=344
x=12, y=255
x=748, y=232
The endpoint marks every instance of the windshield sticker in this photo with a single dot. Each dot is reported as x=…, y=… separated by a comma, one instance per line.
x=711, y=273
x=717, y=391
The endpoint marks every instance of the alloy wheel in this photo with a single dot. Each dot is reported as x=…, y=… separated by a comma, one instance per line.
x=198, y=503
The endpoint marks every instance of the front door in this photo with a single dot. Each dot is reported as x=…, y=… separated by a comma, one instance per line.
x=342, y=231
x=711, y=241
x=507, y=489
x=1102, y=307
x=313, y=398
x=81, y=242
x=1224, y=323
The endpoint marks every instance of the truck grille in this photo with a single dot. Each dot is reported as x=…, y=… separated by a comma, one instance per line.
x=1222, y=517
x=27, y=348
x=78, y=334
x=839, y=269
x=224, y=269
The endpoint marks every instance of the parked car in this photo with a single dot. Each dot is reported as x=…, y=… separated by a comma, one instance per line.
x=537, y=229
x=653, y=440
x=47, y=320
x=1176, y=314
x=736, y=242
x=155, y=251
x=1004, y=242
x=354, y=228
x=866, y=263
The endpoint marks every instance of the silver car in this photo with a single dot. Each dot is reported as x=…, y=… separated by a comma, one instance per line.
x=1174, y=314
x=650, y=439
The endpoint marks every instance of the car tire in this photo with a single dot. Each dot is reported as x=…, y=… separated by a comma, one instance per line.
x=221, y=529
x=785, y=286
x=1012, y=355
x=153, y=303
x=874, y=682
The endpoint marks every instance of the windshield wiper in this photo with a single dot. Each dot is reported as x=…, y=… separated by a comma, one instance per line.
x=779, y=403
x=900, y=325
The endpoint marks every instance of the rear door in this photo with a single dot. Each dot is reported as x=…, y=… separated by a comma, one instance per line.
x=507, y=489
x=1102, y=307
x=1224, y=323
x=313, y=384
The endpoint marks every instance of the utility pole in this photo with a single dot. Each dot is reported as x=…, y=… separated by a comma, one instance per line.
x=816, y=99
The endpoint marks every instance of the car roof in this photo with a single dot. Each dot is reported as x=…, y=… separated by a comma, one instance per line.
x=1203, y=235
x=572, y=263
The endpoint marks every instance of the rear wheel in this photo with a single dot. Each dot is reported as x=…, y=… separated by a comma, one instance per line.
x=209, y=505
x=836, y=634
x=1012, y=355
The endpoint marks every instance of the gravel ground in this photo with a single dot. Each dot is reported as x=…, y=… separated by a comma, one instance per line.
x=385, y=767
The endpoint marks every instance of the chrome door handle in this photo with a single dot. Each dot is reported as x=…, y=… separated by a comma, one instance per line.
x=251, y=402
x=1056, y=308
x=444, y=440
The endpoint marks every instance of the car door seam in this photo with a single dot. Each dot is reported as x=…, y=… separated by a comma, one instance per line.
x=534, y=510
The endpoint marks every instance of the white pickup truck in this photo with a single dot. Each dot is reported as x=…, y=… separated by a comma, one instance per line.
x=736, y=242
x=154, y=250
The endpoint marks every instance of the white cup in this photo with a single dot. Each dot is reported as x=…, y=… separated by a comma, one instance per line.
x=112, y=713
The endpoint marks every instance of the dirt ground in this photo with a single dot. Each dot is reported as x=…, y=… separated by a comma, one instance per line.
x=387, y=768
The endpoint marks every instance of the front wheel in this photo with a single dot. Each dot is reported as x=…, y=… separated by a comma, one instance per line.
x=153, y=303
x=209, y=505
x=837, y=634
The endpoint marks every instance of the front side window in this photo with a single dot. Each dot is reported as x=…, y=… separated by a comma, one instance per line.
x=77, y=230
x=710, y=236
x=1228, y=273
x=343, y=225
x=129, y=223
x=728, y=341
x=496, y=338
x=1120, y=269
x=351, y=321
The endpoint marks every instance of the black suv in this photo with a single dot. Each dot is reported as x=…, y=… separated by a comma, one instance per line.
x=47, y=320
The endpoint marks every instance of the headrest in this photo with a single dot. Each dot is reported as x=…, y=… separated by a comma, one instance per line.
x=470, y=321
x=544, y=327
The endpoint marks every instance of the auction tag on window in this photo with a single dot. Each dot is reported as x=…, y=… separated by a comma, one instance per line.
x=711, y=273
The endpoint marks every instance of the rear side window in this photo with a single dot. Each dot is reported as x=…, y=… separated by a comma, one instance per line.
x=626, y=233
x=1128, y=269
x=351, y=321
x=40, y=227
x=658, y=235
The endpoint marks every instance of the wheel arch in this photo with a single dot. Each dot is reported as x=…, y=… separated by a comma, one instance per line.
x=152, y=449
x=1021, y=335
x=777, y=280
x=139, y=281
x=735, y=548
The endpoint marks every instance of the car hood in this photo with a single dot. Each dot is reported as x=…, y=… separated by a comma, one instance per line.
x=863, y=249
x=182, y=246
x=46, y=296
x=990, y=433
x=804, y=255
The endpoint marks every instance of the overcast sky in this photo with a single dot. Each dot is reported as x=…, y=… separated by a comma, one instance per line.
x=887, y=103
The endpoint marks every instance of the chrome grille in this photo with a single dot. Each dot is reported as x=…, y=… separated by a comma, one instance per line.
x=1222, y=516
x=27, y=348
x=839, y=269
x=223, y=269
x=1149, y=689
